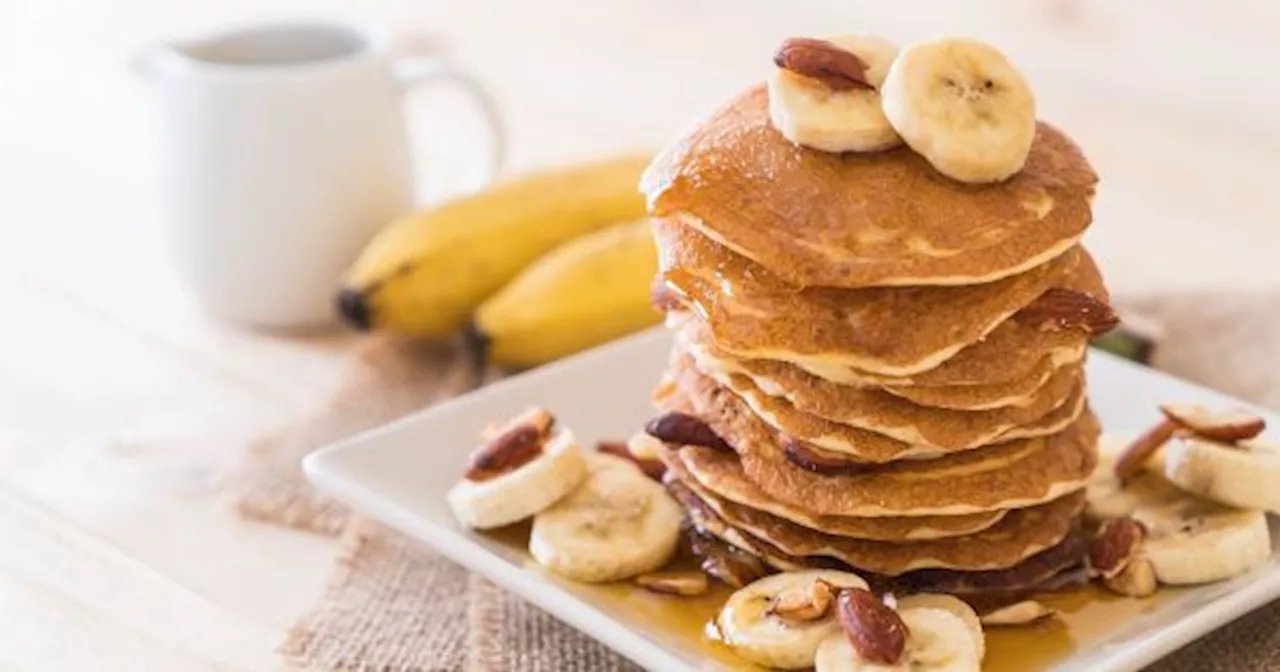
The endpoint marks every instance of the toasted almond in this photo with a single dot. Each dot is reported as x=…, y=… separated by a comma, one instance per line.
x=819, y=461
x=684, y=584
x=1116, y=545
x=806, y=603
x=1138, y=579
x=1134, y=458
x=1061, y=309
x=652, y=468
x=506, y=452
x=684, y=430
x=875, y=631
x=824, y=61
x=726, y=563
x=1228, y=427
x=1025, y=612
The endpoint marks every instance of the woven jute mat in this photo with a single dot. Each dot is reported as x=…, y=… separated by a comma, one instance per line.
x=394, y=606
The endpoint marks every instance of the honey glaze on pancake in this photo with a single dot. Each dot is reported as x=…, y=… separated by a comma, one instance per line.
x=733, y=486
x=894, y=331
x=867, y=219
x=1018, y=535
x=735, y=395
x=878, y=411
x=1009, y=475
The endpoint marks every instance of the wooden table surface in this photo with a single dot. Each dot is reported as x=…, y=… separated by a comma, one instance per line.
x=121, y=405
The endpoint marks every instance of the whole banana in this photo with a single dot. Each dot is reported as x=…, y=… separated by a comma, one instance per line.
x=590, y=290
x=427, y=272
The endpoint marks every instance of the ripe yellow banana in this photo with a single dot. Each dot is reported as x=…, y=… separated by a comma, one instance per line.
x=588, y=291
x=425, y=273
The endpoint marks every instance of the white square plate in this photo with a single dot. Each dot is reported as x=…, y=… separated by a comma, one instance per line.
x=399, y=474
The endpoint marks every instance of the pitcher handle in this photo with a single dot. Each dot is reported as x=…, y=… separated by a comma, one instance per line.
x=415, y=71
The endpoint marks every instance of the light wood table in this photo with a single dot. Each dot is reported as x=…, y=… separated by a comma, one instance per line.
x=120, y=404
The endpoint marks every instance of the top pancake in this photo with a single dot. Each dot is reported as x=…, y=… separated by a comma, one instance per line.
x=866, y=219
x=893, y=331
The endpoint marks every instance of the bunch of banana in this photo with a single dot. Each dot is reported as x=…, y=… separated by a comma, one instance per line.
x=540, y=261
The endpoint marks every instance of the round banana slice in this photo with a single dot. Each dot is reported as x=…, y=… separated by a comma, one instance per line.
x=748, y=624
x=954, y=605
x=617, y=524
x=525, y=490
x=938, y=640
x=809, y=112
x=1243, y=475
x=1193, y=541
x=961, y=105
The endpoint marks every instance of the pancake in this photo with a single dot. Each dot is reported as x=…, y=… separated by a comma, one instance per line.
x=1019, y=534
x=866, y=219
x=1010, y=475
x=733, y=486
x=1035, y=571
x=776, y=378
x=874, y=409
x=735, y=395
x=894, y=331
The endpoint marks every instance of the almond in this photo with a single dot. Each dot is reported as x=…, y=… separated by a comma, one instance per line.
x=1228, y=427
x=875, y=631
x=506, y=452
x=821, y=60
x=819, y=461
x=807, y=603
x=1025, y=612
x=1060, y=309
x=723, y=562
x=684, y=430
x=651, y=468
x=684, y=584
x=1134, y=458
x=1137, y=580
x=1116, y=545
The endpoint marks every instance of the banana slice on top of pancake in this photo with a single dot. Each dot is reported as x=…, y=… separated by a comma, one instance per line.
x=823, y=93
x=617, y=524
x=961, y=105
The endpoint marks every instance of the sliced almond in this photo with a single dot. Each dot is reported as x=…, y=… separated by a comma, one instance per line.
x=807, y=603
x=1025, y=612
x=1133, y=459
x=1138, y=579
x=684, y=584
x=651, y=468
x=875, y=631
x=1116, y=545
x=1229, y=427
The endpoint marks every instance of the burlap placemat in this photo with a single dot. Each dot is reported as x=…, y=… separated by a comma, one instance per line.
x=374, y=617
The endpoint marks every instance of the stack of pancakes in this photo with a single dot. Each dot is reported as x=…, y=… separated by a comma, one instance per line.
x=892, y=360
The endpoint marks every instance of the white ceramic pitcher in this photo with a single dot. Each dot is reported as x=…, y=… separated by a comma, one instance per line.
x=283, y=150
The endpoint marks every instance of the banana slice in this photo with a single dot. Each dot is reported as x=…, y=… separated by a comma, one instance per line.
x=523, y=491
x=954, y=605
x=1242, y=475
x=617, y=524
x=938, y=640
x=961, y=105
x=1193, y=541
x=748, y=624
x=809, y=112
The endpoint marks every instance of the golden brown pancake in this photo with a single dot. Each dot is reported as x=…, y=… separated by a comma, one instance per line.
x=1039, y=569
x=874, y=409
x=733, y=486
x=776, y=377
x=735, y=395
x=1010, y=475
x=866, y=219
x=1019, y=534
x=895, y=331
